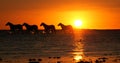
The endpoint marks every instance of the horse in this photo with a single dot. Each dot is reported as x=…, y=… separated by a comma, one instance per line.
x=48, y=28
x=31, y=28
x=17, y=27
x=66, y=28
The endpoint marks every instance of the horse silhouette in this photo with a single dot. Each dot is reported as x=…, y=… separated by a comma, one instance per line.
x=17, y=27
x=48, y=28
x=66, y=28
x=31, y=28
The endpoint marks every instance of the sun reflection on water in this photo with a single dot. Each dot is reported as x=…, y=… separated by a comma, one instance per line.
x=78, y=57
x=79, y=46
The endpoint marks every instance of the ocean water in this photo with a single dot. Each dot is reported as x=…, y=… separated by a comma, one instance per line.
x=86, y=43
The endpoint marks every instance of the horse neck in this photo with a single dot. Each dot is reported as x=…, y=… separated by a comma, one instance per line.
x=62, y=25
x=27, y=25
x=44, y=25
x=10, y=24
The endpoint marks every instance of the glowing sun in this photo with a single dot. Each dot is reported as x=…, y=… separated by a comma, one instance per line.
x=77, y=23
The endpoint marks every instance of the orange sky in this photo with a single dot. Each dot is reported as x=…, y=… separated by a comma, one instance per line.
x=95, y=14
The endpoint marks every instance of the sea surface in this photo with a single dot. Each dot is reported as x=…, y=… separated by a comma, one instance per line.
x=82, y=43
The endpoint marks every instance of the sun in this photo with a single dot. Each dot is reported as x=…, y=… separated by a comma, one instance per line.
x=78, y=23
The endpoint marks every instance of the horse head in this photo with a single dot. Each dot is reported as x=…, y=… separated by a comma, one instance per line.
x=60, y=24
x=8, y=23
x=42, y=24
x=25, y=24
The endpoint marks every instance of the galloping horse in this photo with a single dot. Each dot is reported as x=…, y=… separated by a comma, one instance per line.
x=32, y=28
x=14, y=27
x=48, y=28
x=66, y=28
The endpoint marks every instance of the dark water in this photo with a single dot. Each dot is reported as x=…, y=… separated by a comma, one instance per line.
x=81, y=42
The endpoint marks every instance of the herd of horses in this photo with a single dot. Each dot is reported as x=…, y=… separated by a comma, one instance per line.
x=34, y=28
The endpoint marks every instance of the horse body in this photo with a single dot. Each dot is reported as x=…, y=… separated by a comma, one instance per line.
x=48, y=28
x=66, y=27
x=14, y=27
x=31, y=27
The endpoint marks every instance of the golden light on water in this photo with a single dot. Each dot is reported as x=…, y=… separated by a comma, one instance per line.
x=78, y=57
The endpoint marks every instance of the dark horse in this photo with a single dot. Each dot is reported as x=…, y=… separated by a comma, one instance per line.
x=48, y=28
x=17, y=27
x=66, y=28
x=31, y=28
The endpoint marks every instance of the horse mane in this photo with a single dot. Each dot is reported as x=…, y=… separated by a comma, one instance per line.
x=62, y=25
x=43, y=24
x=9, y=23
x=25, y=24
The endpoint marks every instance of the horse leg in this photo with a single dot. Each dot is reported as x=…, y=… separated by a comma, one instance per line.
x=72, y=31
x=11, y=31
x=36, y=31
x=21, y=30
x=46, y=31
x=54, y=30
